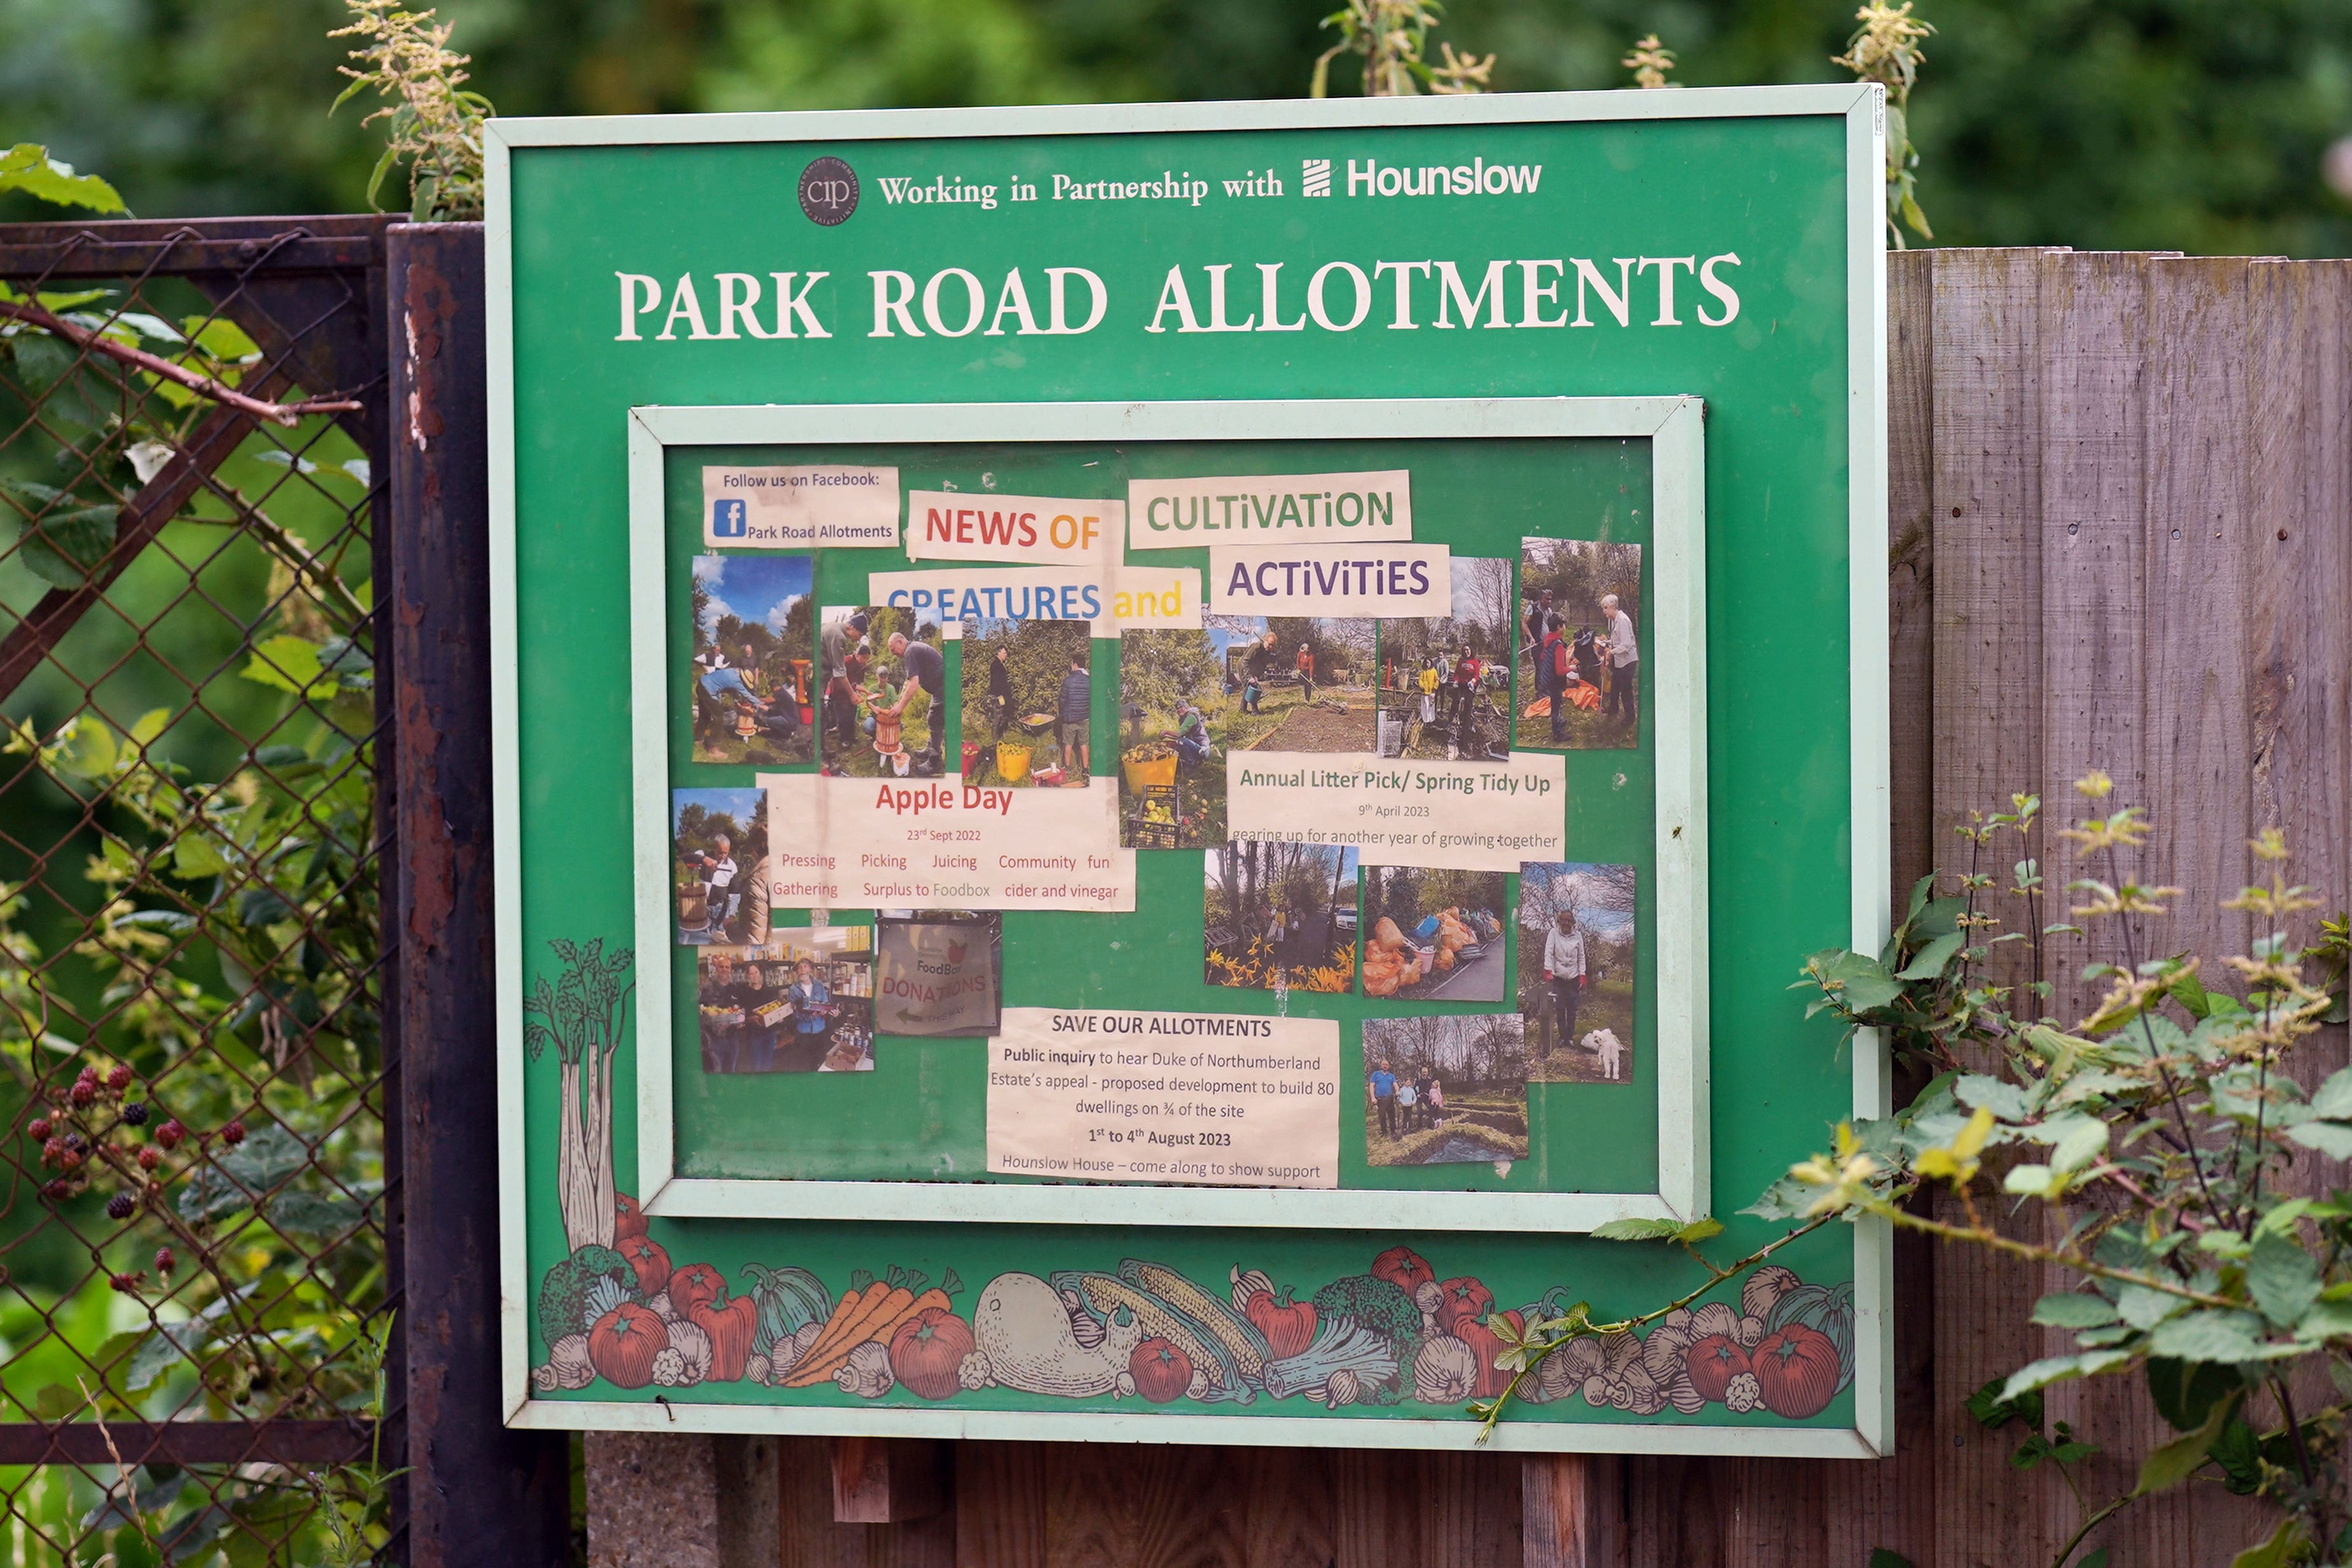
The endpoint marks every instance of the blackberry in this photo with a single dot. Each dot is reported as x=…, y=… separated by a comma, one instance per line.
x=135, y=1114
x=119, y=1206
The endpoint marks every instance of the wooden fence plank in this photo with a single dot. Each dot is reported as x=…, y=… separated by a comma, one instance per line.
x=1572, y=1510
x=1001, y=1504
x=1987, y=661
x=1911, y=557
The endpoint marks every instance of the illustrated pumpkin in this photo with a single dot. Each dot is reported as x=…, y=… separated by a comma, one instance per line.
x=628, y=1221
x=1161, y=1372
x=696, y=1284
x=730, y=1325
x=1465, y=1301
x=1712, y=1362
x=1486, y=1344
x=651, y=1263
x=1405, y=1268
x=926, y=1352
x=1796, y=1371
x=622, y=1345
x=1288, y=1326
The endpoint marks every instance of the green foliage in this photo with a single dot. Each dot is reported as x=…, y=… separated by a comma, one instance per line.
x=434, y=123
x=30, y=169
x=2156, y=1130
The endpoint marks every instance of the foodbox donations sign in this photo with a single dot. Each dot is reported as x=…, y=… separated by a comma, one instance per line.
x=859, y=478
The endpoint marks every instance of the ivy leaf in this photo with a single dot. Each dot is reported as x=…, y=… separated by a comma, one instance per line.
x=2283, y=1278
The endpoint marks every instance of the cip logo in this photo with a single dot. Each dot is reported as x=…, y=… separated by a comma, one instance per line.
x=828, y=192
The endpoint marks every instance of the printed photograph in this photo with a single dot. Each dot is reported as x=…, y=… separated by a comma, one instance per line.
x=1575, y=971
x=1279, y=917
x=1580, y=634
x=1027, y=701
x=1300, y=683
x=938, y=973
x=1446, y=682
x=884, y=694
x=753, y=695
x=1176, y=729
x=1436, y=935
x=1446, y=1090
x=719, y=873
x=801, y=1001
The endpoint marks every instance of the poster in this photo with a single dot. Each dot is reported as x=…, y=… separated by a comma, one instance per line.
x=1130, y=770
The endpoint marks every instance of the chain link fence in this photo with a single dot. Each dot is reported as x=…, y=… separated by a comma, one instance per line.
x=198, y=1274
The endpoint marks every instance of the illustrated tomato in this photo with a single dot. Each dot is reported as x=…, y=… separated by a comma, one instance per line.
x=696, y=1284
x=1161, y=1371
x=1288, y=1326
x=622, y=1345
x=730, y=1325
x=1486, y=1344
x=1465, y=1301
x=1796, y=1371
x=926, y=1352
x=1712, y=1362
x=1405, y=1268
x=627, y=1219
x=651, y=1263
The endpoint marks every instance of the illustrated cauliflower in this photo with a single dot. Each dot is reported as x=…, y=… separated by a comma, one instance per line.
x=1744, y=1394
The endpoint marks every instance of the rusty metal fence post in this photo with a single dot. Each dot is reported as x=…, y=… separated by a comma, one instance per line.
x=478, y=1492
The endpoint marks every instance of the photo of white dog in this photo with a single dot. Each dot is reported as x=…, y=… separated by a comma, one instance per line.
x=1604, y=1044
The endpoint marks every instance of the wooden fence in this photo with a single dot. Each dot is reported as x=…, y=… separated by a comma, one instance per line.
x=2121, y=528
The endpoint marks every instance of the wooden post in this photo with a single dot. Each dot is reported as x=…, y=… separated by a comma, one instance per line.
x=1572, y=1510
x=889, y=1481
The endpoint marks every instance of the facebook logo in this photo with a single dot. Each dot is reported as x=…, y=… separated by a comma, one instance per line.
x=727, y=520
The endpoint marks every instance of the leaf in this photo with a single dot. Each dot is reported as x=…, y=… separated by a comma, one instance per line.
x=2079, y=1139
x=1699, y=1230
x=171, y=1345
x=84, y=747
x=1993, y=1410
x=309, y=1214
x=57, y=1401
x=2073, y=1310
x=1929, y=961
x=1882, y=1558
x=1637, y=1230
x=234, y=1179
x=2275, y=1552
x=2334, y=1098
x=2174, y=1462
x=2283, y=1278
x=2185, y=1392
x=2333, y=1139
x=1941, y=917
x=28, y=168
x=2058, y=1368
x=192, y=856
x=2144, y=1308
x=2006, y=1100
x=290, y=664
x=2210, y=1334
x=1860, y=981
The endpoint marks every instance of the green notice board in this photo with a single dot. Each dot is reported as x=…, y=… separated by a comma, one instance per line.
x=1151, y=756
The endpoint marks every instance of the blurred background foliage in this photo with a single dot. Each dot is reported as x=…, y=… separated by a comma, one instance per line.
x=2197, y=125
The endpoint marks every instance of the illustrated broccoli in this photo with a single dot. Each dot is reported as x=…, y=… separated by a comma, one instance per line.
x=563, y=1294
x=1377, y=1305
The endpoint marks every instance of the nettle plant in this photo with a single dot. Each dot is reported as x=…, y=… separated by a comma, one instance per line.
x=2156, y=1138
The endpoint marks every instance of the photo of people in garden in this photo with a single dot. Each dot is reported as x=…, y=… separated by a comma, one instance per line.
x=1027, y=701
x=718, y=852
x=751, y=691
x=1446, y=1090
x=1445, y=681
x=884, y=694
x=1575, y=971
x=1436, y=935
x=1301, y=682
x=1279, y=917
x=1176, y=729
x=800, y=1001
x=1579, y=645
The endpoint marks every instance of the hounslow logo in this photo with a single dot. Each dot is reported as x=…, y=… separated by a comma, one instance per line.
x=828, y=192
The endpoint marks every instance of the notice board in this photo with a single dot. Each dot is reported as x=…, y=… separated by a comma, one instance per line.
x=1150, y=755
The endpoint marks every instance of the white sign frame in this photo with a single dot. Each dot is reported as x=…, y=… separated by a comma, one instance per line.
x=1676, y=636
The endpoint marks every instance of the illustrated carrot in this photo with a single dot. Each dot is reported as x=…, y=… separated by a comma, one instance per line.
x=877, y=1312
x=861, y=1288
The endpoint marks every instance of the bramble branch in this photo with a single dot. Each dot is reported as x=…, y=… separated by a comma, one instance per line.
x=285, y=413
